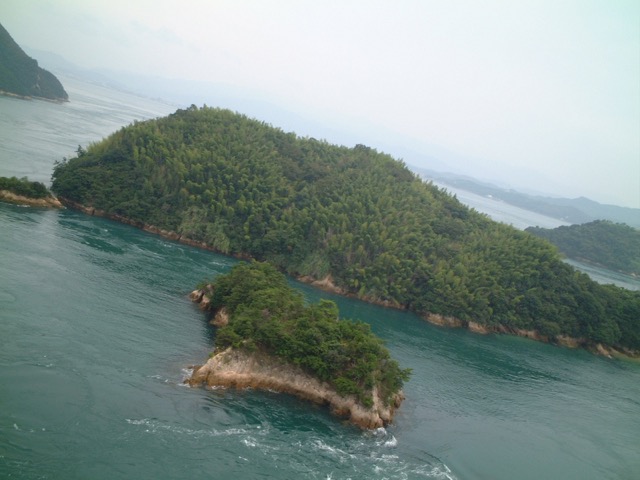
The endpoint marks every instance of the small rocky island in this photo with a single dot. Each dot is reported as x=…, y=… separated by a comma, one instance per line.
x=267, y=338
x=21, y=191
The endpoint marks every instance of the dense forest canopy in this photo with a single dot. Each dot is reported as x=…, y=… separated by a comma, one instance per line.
x=352, y=215
x=613, y=245
x=266, y=313
x=21, y=75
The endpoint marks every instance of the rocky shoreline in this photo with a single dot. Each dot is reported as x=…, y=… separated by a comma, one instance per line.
x=10, y=197
x=327, y=285
x=168, y=234
x=235, y=368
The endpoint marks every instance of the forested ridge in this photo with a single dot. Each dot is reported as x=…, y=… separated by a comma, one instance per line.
x=613, y=245
x=21, y=75
x=353, y=215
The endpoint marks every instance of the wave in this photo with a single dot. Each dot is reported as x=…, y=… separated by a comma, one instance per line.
x=365, y=455
x=154, y=426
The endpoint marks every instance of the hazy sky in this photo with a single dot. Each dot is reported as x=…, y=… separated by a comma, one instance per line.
x=544, y=94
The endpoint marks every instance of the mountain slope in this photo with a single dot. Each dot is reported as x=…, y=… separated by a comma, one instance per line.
x=20, y=74
x=352, y=217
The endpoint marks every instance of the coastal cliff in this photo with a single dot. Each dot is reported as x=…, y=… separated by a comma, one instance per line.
x=240, y=369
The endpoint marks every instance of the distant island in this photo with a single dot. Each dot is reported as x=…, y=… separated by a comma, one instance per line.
x=20, y=75
x=351, y=220
x=268, y=338
x=572, y=210
x=21, y=191
x=611, y=245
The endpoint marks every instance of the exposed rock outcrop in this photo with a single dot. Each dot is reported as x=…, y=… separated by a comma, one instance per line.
x=10, y=197
x=201, y=297
x=478, y=328
x=240, y=369
x=443, y=321
x=560, y=340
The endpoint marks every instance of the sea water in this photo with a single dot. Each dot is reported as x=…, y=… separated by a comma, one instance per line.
x=98, y=335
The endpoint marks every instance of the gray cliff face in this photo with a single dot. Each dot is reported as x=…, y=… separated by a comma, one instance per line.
x=240, y=369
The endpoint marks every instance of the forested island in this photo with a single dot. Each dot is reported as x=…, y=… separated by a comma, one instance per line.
x=21, y=76
x=615, y=246
x=351, y=219
x=268, y=338
x=22, y=191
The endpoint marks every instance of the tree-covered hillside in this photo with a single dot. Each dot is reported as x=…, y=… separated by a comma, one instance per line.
x=21, y=75
x=352, y=215
x=613, y=245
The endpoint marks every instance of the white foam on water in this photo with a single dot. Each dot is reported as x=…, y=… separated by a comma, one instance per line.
x=154, y=426
x=185, y=374
x=136, y=422
x=250, y=442
x=388, y=458
x=341, y=454
x=392, y=442
x=373, y=458
x=438, y=472
x=387, y=440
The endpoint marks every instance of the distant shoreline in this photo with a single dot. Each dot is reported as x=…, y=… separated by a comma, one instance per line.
x=4, y=93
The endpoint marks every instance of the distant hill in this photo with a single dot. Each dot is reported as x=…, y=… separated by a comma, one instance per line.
x=612, y=245
x=20, y=74
x=573, y=210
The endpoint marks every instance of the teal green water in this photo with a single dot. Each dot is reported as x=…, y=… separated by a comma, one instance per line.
x=97, y=335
